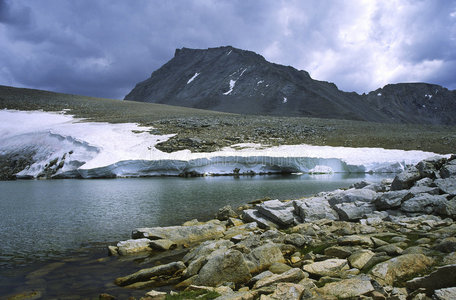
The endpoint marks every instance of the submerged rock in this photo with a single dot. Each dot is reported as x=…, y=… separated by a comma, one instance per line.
x=147, y=274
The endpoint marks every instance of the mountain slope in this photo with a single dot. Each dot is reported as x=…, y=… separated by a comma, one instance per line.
x=233, y=80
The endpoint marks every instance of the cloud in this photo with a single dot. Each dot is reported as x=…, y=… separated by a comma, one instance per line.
x=103, y=48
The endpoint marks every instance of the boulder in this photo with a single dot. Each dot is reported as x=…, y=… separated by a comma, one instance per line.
x=182, y=235
x=448, y=170
x=279, y=212
x=329, y=267
x=423, y=203
x=354, y=210
x=360, y=258
x=162, y=244
x=262, y=257
x=147, y=274
x=225, y=266
x=285, y=291
x=292, y=275
x=390, y=249
x=355, y=240
x=338, y=251
x=445, y=294
x=279, y=268
x=447, y=245
x=348, y=288
x=133, y=246
x=390, y=200
x=447, y=185
x=442, y=277
x=297, y=239
x=400, y=267
x=253, y=215
x=429, y=167
x=239, y=295
x=406, y=179
x=225, y=213
x=447, y=209
x=313, y=209
x=353, y=195
x=205, y=249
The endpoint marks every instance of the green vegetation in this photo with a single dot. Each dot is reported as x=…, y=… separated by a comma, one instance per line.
x=202, y=131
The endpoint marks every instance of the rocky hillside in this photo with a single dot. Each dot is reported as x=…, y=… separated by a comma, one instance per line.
x=233, y=80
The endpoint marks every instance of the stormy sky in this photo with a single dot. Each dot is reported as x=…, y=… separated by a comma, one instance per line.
x=104, y=47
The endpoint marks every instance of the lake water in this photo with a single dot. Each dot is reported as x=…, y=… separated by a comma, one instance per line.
x=47, y=221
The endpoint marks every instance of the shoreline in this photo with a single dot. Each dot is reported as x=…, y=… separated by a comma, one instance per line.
x=397, y=232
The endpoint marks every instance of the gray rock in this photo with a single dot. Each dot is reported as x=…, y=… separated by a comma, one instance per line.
x=447, y=209
x=182, y=234
x=206, y=248
x=297, y=239
x=339, y=252
x=415, y=190
x=286, y=291
x=252, y=215
x=389, y=200
x=447, y=185
x=353, y=195
x=162, y=244
x=329, y=267
x=225, y=213
x=360, y=258
x=292, y=275
x=406, y=179
x=442, y=277
x=262, y=257
x=226, y=266
x=445, y=294
x=279, y=268
x=348, y=288
x=447, y=245
x=391, y=250
x=400, y=267
x=262, y=275
x=360, y=185
x=133, y=246
x=423, y=203
x=448, y=171
x=315, y=208
x=279, y=212
x=424, y=182
x=146, y=274
x=354, y=210
x=355, y=240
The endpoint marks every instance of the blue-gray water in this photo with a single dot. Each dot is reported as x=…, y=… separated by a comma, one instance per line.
x=47, y=220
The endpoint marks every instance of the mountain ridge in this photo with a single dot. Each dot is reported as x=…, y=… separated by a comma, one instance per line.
x=240, y=81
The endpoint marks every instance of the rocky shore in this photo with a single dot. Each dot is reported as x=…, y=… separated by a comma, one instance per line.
x=392, y=240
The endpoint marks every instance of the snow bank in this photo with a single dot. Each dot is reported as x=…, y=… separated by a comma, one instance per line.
x=70, y=147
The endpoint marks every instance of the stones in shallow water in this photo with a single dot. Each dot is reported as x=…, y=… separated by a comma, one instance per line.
x=133, y=246
x=353, y=211
x=147, y=274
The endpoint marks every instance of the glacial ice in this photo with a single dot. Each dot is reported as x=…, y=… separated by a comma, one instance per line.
x=95, y=149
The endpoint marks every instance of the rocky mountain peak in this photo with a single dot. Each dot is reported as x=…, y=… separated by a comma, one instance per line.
x=234, y=80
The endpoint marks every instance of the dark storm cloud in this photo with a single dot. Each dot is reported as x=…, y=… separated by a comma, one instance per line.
x=102, y=48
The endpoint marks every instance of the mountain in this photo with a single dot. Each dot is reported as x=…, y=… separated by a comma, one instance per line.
x=239, y=81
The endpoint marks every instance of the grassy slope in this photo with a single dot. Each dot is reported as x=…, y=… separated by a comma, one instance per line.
x=214, y=129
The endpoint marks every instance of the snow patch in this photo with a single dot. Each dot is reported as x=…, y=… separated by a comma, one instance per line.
x=379, y=94
x=428, y=96
x=229, y=52
x=260, y=82
x=232, y=83
x=193, y=77
x=91, y=150
x=284, y=100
